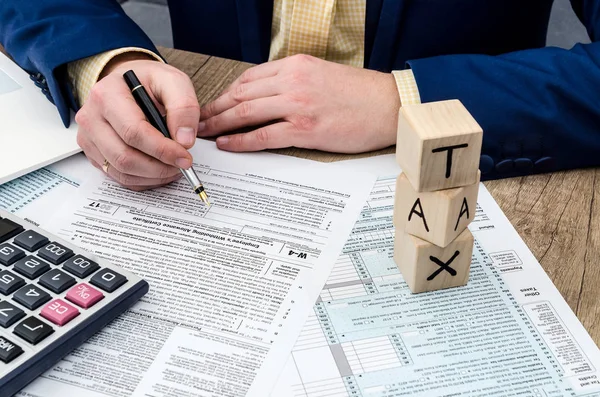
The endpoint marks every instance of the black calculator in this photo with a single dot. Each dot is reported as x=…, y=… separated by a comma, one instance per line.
x=53, y=297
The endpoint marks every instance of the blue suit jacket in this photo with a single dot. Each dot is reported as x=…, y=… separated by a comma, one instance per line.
x=539, y=107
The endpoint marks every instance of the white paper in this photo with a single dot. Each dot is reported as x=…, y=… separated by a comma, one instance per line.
x=507, y=333
x=31, y=130
x=230, y=285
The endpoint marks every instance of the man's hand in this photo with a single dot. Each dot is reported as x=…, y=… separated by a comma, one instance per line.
x=112, y=127
x=308, y=103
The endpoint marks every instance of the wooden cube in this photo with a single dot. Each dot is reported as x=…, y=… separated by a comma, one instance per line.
x=427, y=267
x=438, y=217
x=438, y=145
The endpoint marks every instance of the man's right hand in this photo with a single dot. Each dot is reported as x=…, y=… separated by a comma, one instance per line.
x=112, y=127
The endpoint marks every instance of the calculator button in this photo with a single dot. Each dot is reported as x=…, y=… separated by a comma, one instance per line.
x=84, y=295
x=30, y=240
x=108, y=280
x=8, y=350
x=80, y=266
x=9, y=254
x=31, y=296
x=59, y=312
x=31, y=267
x=9, y=314
x=33, y=330
x=55, y=253
x=56, y=281
x=9, y=229
x=10, y=282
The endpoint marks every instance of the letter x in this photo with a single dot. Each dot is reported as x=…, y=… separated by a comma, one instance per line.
x=443, y=266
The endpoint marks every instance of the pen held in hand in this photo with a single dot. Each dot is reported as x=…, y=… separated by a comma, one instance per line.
x=157, y=121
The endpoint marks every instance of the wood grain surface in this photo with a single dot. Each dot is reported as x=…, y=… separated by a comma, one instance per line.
x=557, y=215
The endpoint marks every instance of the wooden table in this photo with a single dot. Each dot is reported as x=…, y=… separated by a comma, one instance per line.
x=557, y=215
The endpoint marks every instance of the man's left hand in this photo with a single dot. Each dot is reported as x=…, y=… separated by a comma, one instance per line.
x=305, y=102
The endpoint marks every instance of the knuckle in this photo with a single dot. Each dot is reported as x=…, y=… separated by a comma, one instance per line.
x=239, y=92
x=82, y=118
x=304, y=122
x=131, y=133
x=97, y=93
x=297, y=78
x=185, y=104
x=165, y=173
x=123, y=161
x=243, y=110
x=263, y=135
x=161, y=151
x=302, y=59
x=246, y=76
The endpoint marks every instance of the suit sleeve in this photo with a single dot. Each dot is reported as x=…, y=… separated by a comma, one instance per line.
x=43, y=36
x=539, y=108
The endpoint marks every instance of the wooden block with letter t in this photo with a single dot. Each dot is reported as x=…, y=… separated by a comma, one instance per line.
x=427, y=267
x=438, y=217
x=438, y=145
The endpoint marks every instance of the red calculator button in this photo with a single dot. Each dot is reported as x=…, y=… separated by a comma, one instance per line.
x=84, y=295
x=59, y=312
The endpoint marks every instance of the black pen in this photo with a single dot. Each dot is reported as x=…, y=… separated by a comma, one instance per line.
x=154, y=117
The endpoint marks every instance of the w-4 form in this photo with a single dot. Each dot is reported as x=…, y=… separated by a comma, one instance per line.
x=230, y=284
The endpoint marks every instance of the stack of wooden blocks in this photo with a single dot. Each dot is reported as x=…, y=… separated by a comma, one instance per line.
x=438, y=148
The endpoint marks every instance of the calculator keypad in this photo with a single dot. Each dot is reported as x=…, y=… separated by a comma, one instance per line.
x=34, y=270
x=33, y=330
x=10, y=282
x=57, y=281
x=31, y=296
x=83, y=295
x=80, y=266
x=59, y=312
x=108, y=280
x=9, y=314
x=9, y=254
x=9, y=350
x=30, y=240
x=31, y=267
x=55, y=253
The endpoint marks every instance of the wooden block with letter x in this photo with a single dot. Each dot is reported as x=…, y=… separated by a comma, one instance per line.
x=438, y=145
x=427, y=267
x=438, y=217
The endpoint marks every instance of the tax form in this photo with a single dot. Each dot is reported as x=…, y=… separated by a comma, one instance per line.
x=230, y=285
x=508, y=332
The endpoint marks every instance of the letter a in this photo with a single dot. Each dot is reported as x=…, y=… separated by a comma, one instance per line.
x=463, y=209
x=419, y=214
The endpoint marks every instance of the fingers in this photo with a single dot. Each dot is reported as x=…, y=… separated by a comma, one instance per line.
x=133, y=182
x=176, y=92
x=127, y=159
x=273, y=136
x=262, y=71
x=248, y=113
x=127, y=119
x=241, y=93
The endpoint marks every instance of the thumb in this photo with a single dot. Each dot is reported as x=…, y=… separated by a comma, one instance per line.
x=177, y=95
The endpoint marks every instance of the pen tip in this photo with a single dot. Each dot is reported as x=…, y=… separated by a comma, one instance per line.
x=204, y=197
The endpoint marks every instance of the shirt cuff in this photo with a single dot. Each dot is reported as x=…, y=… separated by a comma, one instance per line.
x=407, y=87
x=84, y=73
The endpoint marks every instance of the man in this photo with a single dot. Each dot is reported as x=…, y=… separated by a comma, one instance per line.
x=539, y=107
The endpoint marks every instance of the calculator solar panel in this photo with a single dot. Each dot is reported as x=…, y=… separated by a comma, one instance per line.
x=53, y=297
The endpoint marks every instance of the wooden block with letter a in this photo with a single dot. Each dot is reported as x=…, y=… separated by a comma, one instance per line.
x=438, y=145
x=438, y=217
x=427, y=267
